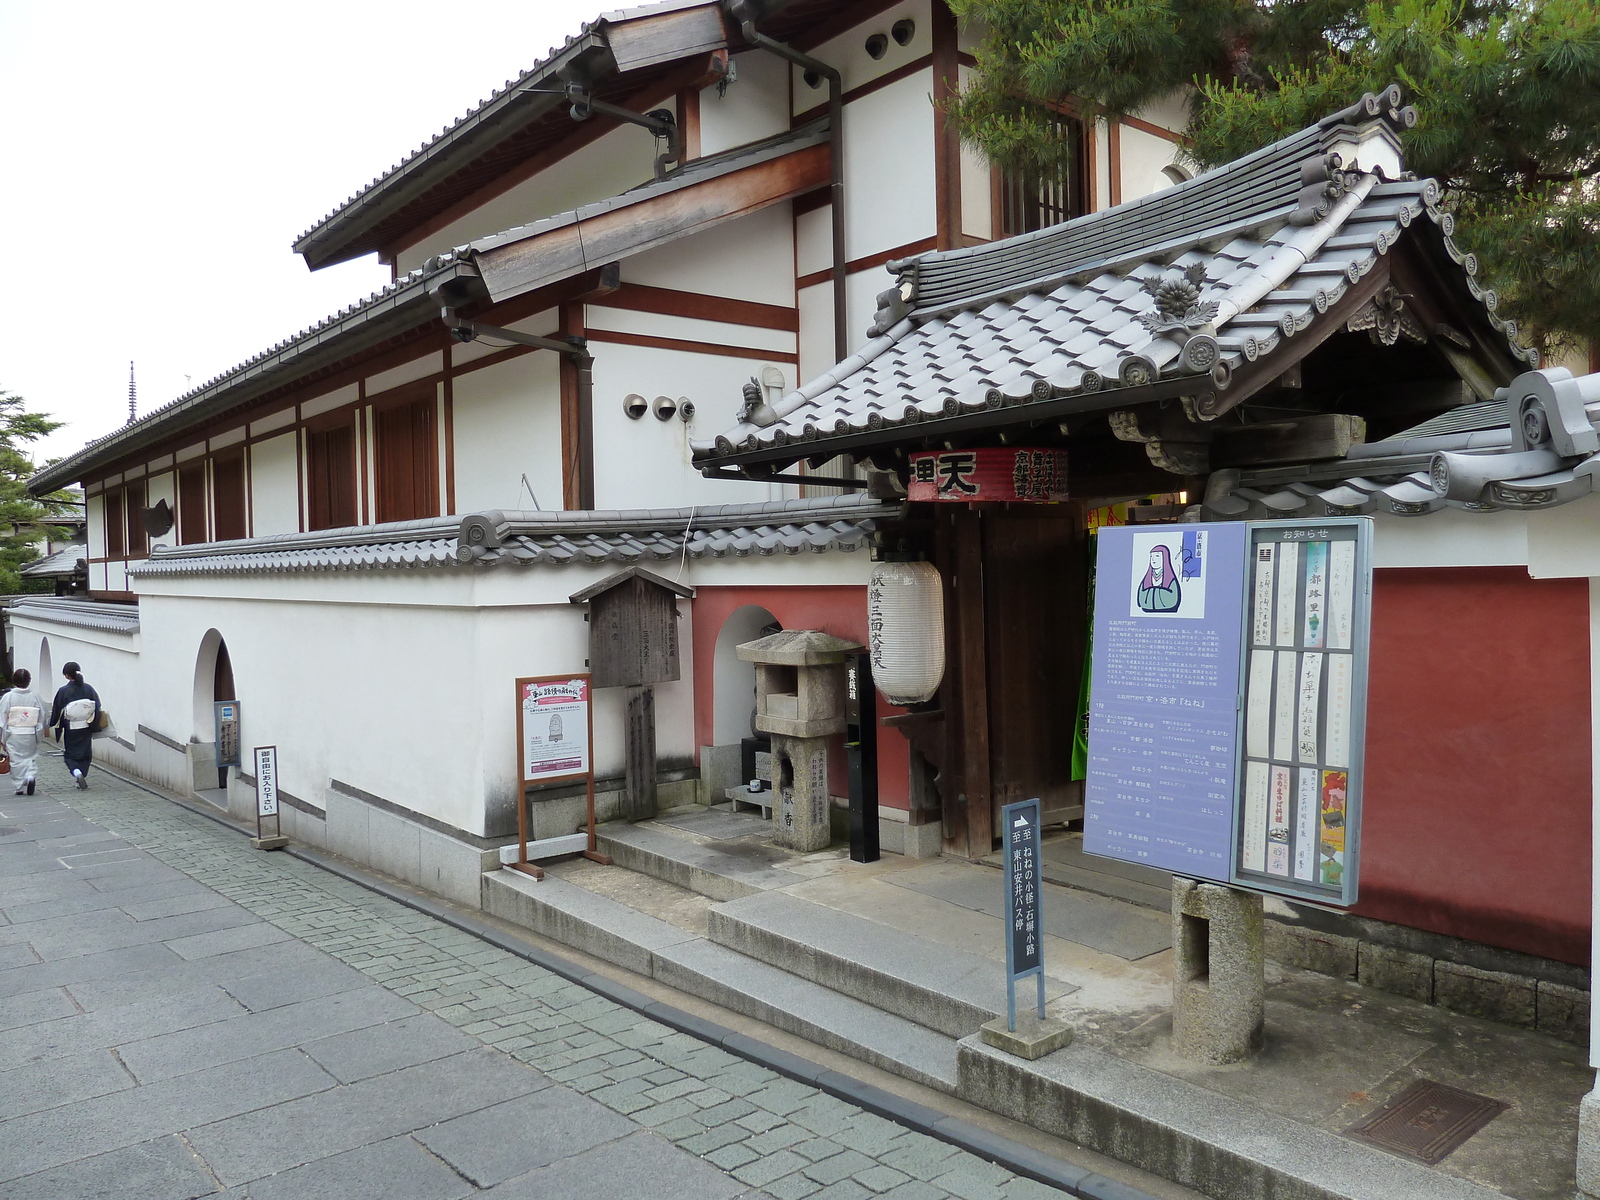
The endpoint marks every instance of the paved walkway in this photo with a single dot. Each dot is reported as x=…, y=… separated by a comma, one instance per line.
x=184, y=1016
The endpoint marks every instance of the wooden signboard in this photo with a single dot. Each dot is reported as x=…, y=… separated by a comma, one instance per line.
x=633, y=628
x=1013, y=474
x=555, y=743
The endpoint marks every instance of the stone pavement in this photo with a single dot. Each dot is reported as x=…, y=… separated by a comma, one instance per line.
x=184, y=1016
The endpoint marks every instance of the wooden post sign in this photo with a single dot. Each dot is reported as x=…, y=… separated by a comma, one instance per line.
x=267, y=800
x=633, y=643
x=555, y=744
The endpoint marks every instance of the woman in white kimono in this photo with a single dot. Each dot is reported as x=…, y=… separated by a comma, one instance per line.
x=22, y=714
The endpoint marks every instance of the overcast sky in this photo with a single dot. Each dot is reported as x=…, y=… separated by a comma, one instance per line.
x=160, y=157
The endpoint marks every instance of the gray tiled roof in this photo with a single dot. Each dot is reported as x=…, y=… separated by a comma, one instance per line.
x=1063, y=313
x=488, y=114
x=66, y=561
x=79, y=614
x=1473, y=458
x=402, y=306
x=493, y=539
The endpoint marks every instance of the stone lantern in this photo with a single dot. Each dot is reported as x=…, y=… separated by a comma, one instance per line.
x=800, y=704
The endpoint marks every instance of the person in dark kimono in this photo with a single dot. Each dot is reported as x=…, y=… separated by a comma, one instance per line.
x=1158, y=590
x=76, y=707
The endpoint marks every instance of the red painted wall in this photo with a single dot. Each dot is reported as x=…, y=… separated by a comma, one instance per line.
x=1478, y=787
x=841, y=611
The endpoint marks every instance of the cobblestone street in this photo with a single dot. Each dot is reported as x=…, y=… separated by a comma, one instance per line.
x=185, y=1016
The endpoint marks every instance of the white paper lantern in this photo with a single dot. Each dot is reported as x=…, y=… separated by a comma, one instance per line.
x=905, y=630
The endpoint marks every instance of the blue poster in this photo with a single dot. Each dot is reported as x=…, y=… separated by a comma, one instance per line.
x=1164, y=700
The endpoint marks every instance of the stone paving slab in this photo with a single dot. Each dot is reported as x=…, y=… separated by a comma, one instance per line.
x=332, y=1042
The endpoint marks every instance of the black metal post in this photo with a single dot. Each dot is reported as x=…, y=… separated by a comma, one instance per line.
x=861, y=754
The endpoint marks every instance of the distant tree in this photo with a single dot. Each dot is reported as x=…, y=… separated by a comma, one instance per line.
x=1508, y=92
x=25, y=519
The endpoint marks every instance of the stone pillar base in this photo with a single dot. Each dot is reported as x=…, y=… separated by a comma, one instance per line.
x=801, y=819
x=1218, y=972
x=1589, y=1147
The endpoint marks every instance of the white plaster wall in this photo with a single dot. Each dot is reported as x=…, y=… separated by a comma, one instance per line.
x=748, y=259
x=1451, y=538
x=816, y=330
x=110, y=664
x=1143, y=157
x=847, y=52
x=95, y=512
x=162, y=487
x=645, y=463
x=754, y=106
x=621, y=159
x=507, y=424
x=977, y=193
x=417, y=368
x=889, y=170
x=690, y=329
x=274, y=486
x=814, y=241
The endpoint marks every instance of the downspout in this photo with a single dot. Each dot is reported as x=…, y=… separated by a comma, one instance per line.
x=740, y=10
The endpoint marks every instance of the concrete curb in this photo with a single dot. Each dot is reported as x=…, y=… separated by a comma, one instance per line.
x=992, y=1147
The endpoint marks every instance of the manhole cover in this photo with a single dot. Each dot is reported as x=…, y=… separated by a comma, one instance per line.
x=1427, y=1121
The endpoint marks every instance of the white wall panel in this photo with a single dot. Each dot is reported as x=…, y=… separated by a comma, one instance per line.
x=645, y=463
x=848, y=51
x=274, y=486
x=417, y=368
x=889, y=173
x=1143, y=157
x=748, y=259
x=754, y=106
x=507, y=423
x=330, y=401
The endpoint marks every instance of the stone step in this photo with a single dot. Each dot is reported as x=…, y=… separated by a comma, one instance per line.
x=1064, y=862
x=723, y=870
x=1190, y=1134
x=809, y=1010
x=945, y=989
x=616, y=933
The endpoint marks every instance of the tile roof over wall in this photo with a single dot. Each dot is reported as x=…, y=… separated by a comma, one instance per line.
x=502, y=539
x=1064, y=315
x=79, y=614
x=1486, y=457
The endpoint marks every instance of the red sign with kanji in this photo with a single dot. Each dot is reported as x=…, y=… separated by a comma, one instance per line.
x=989, y=473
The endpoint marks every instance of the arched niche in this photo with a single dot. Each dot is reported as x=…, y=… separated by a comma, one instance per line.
x=213, y=681
x=733, y=683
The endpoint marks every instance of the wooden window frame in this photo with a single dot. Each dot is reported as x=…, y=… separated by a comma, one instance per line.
x=320, y=511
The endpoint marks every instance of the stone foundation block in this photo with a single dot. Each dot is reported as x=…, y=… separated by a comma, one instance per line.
x=1562, y=1012
x=1589, y=1147
x=1397, y=971
x=1218, y=977
x=1312, y=950
x=1493, y=995
x=1032, y=1039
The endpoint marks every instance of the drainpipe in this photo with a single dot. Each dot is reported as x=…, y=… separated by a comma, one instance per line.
x=742, y=12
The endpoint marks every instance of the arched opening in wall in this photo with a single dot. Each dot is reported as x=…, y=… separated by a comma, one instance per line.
x=733, y=698
x=1175, y=174
x=213, y=681
x=45, y=682
x=733, y=682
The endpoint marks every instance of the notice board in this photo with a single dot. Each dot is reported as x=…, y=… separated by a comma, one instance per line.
x=554, y=738
x=1228, y=700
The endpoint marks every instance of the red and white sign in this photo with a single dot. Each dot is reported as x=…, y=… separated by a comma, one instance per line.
x=553, y=727
x=990, y=473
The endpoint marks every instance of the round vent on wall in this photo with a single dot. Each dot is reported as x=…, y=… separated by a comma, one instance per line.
x=635, y=406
